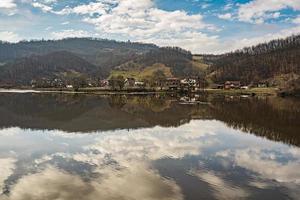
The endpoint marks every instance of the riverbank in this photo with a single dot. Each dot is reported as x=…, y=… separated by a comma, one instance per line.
x=144, y=91
x=251, y=91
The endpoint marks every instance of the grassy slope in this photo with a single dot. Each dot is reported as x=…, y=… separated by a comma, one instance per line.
x=199, y=63
x=141, y=74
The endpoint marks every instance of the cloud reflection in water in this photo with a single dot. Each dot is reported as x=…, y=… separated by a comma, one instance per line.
x=122, y=162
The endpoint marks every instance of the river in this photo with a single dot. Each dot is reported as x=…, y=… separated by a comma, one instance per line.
x=74, y=147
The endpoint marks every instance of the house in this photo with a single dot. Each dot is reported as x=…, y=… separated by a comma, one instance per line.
x=188, y=84
x=172, y=83
x=140, y=84
x=245, y=87
x=217, y=86
x=262, y=84
x=130, y=82
x=232, y=85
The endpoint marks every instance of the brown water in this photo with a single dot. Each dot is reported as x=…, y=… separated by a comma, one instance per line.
x=148, y=147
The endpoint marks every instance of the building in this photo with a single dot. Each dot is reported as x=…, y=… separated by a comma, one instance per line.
x=172, y=83
x=245, y=87
x=188, y=84
x=232, y=85
x=217, y=86
x=262, y=84
x=140, y=84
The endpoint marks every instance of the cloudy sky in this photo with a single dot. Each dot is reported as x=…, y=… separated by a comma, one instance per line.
x=202, y=26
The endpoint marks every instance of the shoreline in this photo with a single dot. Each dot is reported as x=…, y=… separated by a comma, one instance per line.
x=252, y=91
x=98, y=91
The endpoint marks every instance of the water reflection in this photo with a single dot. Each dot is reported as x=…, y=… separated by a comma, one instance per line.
x=274, y=118
x=82, y=147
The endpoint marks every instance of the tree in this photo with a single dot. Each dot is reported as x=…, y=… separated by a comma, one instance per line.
x=159, y=78
x=79, y=82
x=120, y=82
x=117, y=82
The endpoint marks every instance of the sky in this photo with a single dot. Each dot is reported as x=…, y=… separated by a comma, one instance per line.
x=201, y=26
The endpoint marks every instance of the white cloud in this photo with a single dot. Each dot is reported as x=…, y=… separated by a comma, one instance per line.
x=257, y=11
x=231, y=45
x=8, y=7
x=205, y=5
x=91, y=9
x=9, y=36
x=65, y=23
x=225, y=16
x=70, y=33
x=296, y=20
x=228, y=6
x=43, y=7
x=49, y=1
x=142, y=21
x=7, y=4
x=193, y=41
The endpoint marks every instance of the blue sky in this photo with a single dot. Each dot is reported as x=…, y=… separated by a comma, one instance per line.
x=202, y=26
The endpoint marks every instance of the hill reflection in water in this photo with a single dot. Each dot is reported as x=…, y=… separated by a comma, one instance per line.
x=270, y=117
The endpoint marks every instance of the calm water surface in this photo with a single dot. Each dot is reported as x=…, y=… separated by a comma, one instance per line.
x=57, y=147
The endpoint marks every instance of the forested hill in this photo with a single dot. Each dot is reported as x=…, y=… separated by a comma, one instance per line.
x=92, y=58
x=57, y=65
x=100, y=52
x=276, y=61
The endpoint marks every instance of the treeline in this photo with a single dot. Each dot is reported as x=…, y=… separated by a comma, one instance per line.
x=258, y=63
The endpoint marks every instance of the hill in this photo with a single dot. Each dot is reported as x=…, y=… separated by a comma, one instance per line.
x=61, y=65
x=173, y=61
x=92, y=58
x=276, y=62
x=100, y=52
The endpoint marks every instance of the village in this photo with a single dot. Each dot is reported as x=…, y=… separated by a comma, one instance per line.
x=131, y=84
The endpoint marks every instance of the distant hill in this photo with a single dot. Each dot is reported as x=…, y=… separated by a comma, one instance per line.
x=100, y=52
x=276, y=62
x=54, y=65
